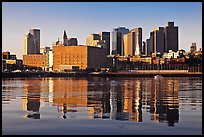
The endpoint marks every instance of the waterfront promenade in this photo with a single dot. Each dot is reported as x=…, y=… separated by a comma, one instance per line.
x=130, y=73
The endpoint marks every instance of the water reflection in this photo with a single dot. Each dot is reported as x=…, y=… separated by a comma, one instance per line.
x=109, y=98
x=32, y=89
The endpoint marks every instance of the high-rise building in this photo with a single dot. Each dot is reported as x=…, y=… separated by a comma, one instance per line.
x=133, y=42
x=36, y=36
x=159, y=40
x=32, y=42
x=171, y=37
x=151, y=43
x=148, y=47
x=117, y=46
x=99, y=40
x=105, y=36
x=28, y=44
x=128, y=49
x=144, y=48
x=163, y=39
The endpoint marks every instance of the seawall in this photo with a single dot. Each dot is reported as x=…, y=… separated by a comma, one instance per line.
x=134, y=73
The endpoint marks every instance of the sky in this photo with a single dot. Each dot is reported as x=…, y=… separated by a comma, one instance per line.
x=81, y=19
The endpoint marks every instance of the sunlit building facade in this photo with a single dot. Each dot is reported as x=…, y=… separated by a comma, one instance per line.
x=133, y=42
x=83, y=56
x=117, y=47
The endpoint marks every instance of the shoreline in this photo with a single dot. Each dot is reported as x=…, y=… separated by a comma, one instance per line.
x=145, y=73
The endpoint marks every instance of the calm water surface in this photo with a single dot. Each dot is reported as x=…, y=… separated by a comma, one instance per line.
x=98, y=105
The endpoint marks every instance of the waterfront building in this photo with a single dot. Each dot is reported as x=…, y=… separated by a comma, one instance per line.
x=35, y=60
x=10, y=61
x=6, y=55
x=50, y=60
x=46, y=51
x=133, y=42
x=171, y=37
x=193, y=48
x=171, y=54
x=86, y=57
x=117, y=47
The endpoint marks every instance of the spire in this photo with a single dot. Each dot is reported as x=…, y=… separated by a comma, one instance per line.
x=64, y=35
x=64, y=39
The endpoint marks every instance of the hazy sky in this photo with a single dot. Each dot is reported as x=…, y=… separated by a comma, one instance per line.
x=80, y=19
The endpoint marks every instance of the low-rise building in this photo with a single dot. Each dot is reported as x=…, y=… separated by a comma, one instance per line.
x=171, y=54
x=86, y=57
x=35, y=60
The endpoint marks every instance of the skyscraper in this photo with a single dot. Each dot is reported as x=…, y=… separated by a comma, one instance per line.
x=133, y=42
x=106, y=37
x=159, y=40
x=148, y=47
x=36, y=39
x=171, y=37
x=28, y=42
x=117, y=41
x=163, y=39
x=151, y=43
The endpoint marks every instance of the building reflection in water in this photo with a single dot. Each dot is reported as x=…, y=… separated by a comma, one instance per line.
x=31, y=103
x=133, y=99
x=164, y=101
x=105, y=98
x=68, y=94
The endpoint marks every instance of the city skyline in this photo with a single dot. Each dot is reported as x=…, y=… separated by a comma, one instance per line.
x=52, y=18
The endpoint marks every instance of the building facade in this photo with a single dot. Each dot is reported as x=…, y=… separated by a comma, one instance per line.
x=159, y=40
x=133, y=42
x=163, y=39
x=117, y=47
x=101, y=40
x=35, y=60
x=105, y=36
x=32, y=42
x=36, y=36
x=171, y=37
x=193, y=48
x=86, y=57
x=72, y=42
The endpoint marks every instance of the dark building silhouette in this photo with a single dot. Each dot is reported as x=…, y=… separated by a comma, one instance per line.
x=171, y=37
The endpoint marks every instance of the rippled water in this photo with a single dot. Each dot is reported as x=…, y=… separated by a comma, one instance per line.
x=158, y=106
